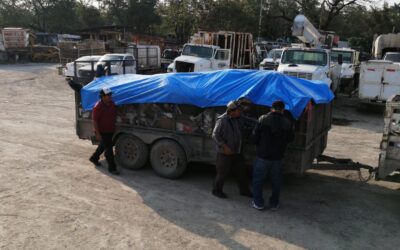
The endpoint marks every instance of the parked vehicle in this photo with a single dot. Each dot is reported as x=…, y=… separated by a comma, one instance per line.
x=379, y=80
x=385, y=43
x=113, y=64
x=167, y=126
x=389, y=158
x=209, y=51
x=69, y=70
x=168, y=57
x=350, y=70
x=148, y=56
x=310, y=63
x=261, y=51
x=15, y=38
x=195, y=58
x=392, y=56
x=271, y=62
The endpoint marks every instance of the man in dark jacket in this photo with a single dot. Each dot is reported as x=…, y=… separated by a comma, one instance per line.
x=271, y=135
x=227, y=135
x=104, y=116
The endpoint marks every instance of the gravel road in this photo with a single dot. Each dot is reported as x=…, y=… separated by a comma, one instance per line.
x=53, y=198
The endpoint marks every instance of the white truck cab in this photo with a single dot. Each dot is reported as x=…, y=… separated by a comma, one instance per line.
x=196, y=58
x=271, y=62
x=350, y=70
x=351, y=63
x=310, y=64
x=119, y=64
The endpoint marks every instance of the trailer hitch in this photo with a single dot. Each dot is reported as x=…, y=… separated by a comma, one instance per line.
x=324, y=162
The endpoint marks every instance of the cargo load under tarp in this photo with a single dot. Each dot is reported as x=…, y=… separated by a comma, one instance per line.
x=210, y=89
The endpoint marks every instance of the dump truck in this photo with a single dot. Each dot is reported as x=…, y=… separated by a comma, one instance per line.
x=167, y=120
x=207, y=51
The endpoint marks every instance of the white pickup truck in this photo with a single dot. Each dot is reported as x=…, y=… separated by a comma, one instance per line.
x=114, y=64
x=271, y=62
x=379, y=80
x=311, y=64
x=350, y=70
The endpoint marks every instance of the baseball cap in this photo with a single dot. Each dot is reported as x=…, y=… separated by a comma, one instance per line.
x=105, y=91
x=278, y=105
x=232, y=105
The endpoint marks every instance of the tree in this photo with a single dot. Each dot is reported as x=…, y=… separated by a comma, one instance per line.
x=332, y=8
x=180, y=16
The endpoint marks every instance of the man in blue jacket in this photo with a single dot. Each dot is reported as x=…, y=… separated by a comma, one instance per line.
x=271, y=135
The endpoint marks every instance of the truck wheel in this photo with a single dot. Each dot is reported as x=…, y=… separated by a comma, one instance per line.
x=168, y=159
x=130, y=152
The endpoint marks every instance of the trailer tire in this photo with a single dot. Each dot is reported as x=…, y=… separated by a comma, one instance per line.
x=168, y=159
x=131, y=152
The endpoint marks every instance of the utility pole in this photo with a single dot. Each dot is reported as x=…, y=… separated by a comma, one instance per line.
x=259, y=20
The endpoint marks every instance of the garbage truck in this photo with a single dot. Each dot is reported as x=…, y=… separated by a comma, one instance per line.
x=167, y=119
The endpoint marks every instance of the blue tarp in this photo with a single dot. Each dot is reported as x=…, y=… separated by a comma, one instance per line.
x=210, y=89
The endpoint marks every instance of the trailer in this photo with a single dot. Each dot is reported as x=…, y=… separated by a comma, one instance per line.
x=172, y=129
x=389, y=158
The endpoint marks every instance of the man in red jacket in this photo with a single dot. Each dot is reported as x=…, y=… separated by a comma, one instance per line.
x=104, y=116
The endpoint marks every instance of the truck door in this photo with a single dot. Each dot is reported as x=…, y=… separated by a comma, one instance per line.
x=222, y=59
x=130, y=65
x=371, y=80
x=391, y=81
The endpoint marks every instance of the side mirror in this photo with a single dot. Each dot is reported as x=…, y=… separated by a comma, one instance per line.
x=340, y=59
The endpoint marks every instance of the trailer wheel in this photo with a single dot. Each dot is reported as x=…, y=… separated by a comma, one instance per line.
x=168, y=159
x=131, y=152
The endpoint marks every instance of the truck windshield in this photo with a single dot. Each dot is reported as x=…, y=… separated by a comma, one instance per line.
x=199, y=51
x=170, y=54
x=276, y=53
x=392, y=57
x=346, y=55
x=318, y=58
x=113, y=58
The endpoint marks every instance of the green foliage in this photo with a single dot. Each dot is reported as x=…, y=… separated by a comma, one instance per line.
x=351, y=19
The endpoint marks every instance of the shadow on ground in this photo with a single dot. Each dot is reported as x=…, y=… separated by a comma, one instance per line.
x=318, y=212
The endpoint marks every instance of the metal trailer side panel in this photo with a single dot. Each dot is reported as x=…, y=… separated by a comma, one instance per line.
x=310, y=132
x=389, y=158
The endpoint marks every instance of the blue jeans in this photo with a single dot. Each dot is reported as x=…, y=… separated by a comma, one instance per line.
x=261, y=169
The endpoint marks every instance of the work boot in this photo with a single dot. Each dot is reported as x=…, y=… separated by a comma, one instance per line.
x=247, y=194
x=95, y=162
x=219, y=194
x=114, y=172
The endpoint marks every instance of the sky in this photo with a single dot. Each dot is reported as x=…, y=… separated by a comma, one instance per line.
x=390, y=2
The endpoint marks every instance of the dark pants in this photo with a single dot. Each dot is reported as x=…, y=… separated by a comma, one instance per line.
x=261, y=169
x=106, y=146
x=224, y=165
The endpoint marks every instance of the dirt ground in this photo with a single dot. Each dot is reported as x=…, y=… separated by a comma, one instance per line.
x=53, y=198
